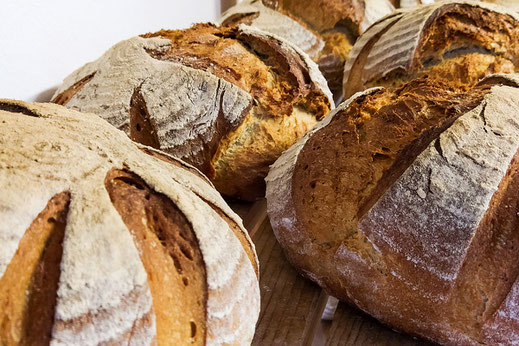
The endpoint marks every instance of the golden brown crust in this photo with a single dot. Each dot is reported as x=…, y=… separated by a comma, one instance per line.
x=457, y=41
x=280, y=83
x=467, y=69
x=458, y=27
x=348, y=179
x=30, y=282
x=344, y=168
x=332, y=57
x=373, y=142
x=171, y=256
x=191, y=93
x=323, y=15
x=277, y=78
x=338, y=23
x=65, y=96
x=252, y=148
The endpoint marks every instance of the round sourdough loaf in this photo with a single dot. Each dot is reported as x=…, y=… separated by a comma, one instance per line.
x=105, y=241
x=459, y=41
x=227, y=100
x=325, y=29
x=405, y=203
x=512, y=4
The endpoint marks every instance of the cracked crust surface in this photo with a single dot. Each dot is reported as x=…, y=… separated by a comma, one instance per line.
x=133, y=225
x=449, y=40
x=511, y=4
x=324, y=29
x=200, y=93
x=379, y=193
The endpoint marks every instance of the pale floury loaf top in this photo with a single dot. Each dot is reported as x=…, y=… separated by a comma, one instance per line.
x=103, y=290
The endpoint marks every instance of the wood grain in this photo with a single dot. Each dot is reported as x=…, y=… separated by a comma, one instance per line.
x=252, y=214
x=291, y=306
x=352, y=327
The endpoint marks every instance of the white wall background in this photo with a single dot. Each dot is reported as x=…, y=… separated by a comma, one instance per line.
x=42, y=41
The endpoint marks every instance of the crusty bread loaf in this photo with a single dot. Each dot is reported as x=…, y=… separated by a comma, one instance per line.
x=105, y=241
x=460, y=40
x=227, y=100
x=324, y=29
x=512, y=4
x=405, y=203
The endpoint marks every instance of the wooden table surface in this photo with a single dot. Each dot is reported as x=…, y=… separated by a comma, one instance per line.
x=291, y=306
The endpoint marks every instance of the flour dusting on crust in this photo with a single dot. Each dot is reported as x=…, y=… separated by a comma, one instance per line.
x=103, y=286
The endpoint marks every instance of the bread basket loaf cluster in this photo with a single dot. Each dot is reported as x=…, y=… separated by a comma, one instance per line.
x=403, y=201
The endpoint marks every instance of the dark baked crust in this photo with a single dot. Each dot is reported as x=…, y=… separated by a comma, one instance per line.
x=142, y=129
x=204, y=47
x=370, y=145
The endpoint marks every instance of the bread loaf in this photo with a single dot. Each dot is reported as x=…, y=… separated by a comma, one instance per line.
x=227, y=100
x=324, y=29
x=405, y=203
x=461, y=40
x=105, y=241
x=512, y=4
